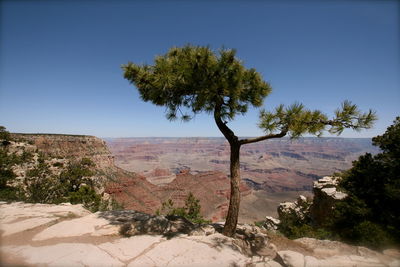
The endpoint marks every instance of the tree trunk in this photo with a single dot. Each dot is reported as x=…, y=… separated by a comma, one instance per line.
x=234, y=202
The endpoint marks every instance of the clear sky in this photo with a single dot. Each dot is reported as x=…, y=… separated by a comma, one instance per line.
x=60, y=60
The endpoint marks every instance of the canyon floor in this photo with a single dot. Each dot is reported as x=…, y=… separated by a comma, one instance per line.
x=69, y=235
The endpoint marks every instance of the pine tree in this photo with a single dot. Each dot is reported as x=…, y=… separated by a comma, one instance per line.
x=193, y=79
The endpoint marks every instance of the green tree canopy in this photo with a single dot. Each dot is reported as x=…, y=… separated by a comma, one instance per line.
x=196, y=79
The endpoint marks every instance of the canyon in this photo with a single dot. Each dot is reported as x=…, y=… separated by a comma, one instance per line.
x=142, y=173
x=272, y=171
x=133, y=190
x=136, y=237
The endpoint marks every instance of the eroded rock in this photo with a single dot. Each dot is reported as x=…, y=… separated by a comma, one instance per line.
x=326, y=195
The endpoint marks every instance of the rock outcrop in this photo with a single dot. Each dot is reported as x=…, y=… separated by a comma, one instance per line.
x=315, y=211
x=326, y=195
x=54, y=154
x=70, y=146
x=69, y=235
x=271, y=223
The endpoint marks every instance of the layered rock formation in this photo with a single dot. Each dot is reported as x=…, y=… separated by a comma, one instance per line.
x=274, y=170
x=271, y=166
x=318, y=210
x=211, y=188
x=70, y=146
x=134, y=191
x=326, y=195
x=49, y=155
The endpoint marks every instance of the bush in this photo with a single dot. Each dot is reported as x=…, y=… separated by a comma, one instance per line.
x=87, y=162
x=75, y=175
x=190, y=211
x=7, y=175
x=10, y=194
x=87, y=196
x=4, y=134
x=42, y=186
x=371, y=235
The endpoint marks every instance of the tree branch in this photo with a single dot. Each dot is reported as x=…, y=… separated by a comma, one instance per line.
x=261, y=138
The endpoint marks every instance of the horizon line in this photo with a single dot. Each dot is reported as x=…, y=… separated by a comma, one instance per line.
x=188, y=137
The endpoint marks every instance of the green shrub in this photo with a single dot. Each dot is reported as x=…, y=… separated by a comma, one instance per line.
x=87, y=162
x=4, y=134
x=45, y=190
x=371, y=235
x=10, y=194
x=259, y=223
x=75, y=175
x=7, y=175
x=190, y=211
x=87, y=196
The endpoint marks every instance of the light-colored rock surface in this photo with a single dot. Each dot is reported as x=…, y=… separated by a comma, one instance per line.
x=69, y=235
x=328, y=186
x=127, y=249
x=292, y=258
x=91, y=224
x=64, y=254
x=212, y=250
x=271, y=223
x=17, y=217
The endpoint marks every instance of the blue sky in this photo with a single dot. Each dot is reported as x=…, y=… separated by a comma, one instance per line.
x=60, y=60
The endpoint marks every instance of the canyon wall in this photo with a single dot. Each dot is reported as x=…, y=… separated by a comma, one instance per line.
x=135, y=191
x=71, y=146
x=272, y=166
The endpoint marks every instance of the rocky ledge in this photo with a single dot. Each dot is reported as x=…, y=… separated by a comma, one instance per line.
x=69, y=235
x=70, y=146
